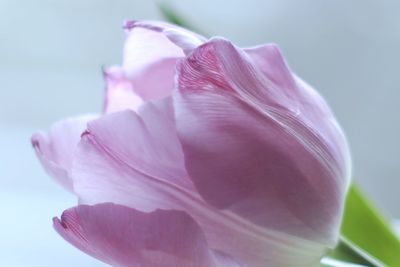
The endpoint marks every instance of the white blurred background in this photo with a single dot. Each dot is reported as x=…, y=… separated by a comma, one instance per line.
x=51, y=53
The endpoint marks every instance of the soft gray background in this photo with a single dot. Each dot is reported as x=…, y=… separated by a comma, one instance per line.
x=51, y=53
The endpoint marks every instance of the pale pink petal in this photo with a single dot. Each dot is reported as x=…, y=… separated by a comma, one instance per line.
x=144, y=47
x=270, y=61
x=248, y=150
x=130, y=152
x=148, y=70
x=157, y=81
x=55, y=149
x=129, y=92
x=120, y=94
x=125, y=237
x=184, y=39
x=307, y=105
x=135, y=160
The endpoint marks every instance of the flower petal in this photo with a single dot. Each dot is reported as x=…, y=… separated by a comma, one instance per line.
x=127, y=151
x=123, y=236
x=120, y=94
x=55, y=149
x=148, y=70
x=302, y=99
x=271, y=63
x=247, y=150
x=144, y=47
x=135, y=159
x=184, y=39
x=123, y=92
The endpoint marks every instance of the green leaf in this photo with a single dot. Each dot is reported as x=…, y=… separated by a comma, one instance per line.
x=366, y=228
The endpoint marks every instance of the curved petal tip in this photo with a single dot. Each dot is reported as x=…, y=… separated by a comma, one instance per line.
x=185, y=39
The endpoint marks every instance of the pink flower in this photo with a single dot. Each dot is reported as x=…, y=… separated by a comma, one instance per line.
x=206, y=155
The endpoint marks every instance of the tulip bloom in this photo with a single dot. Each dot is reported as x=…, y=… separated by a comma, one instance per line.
x=205, y=155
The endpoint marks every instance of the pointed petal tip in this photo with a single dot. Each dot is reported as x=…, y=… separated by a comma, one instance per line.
x=58, y=225
x=128, y=24
x=85, y=133
x=181, y=37
x=70, y=222
x=55, y=220
x=131, y=24
x=35, y=141
x=112, y=72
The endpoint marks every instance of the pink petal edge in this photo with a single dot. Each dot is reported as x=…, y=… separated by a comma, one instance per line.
x=124, y=237
x=55, y=149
